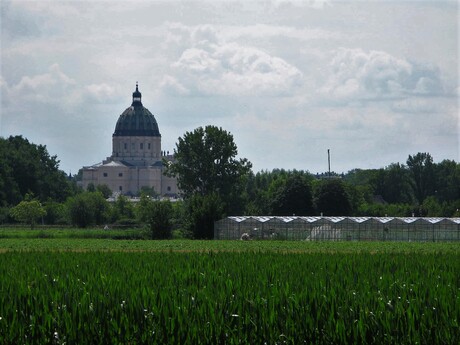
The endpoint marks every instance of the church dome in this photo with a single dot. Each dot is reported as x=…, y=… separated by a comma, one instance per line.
x=137, y=120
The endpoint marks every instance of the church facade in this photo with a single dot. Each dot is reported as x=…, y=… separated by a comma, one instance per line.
x=137, y=159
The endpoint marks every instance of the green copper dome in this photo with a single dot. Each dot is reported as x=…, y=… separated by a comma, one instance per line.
x=137, y=120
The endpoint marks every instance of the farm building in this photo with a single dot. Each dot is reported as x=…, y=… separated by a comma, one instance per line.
x=339, y=228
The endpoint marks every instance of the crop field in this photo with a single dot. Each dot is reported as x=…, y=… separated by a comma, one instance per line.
x=92, y=291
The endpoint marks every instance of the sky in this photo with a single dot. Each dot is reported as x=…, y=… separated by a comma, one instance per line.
x=372, y=81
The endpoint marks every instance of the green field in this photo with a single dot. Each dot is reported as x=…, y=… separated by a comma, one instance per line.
x=99, y=291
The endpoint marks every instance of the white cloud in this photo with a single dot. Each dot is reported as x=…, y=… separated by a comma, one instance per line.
x=377, y=75
x=211, y=66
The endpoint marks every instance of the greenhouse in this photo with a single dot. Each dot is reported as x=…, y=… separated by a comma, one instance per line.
x=338, y=228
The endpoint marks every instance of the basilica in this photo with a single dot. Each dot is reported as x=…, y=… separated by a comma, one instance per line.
x=137, y=160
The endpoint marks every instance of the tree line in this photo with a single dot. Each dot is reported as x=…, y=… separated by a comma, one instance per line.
x=215, y=184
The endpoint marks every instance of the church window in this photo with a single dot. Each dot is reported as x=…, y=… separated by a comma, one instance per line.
x=148, y=146
x=120, y=174
x=169, y=188
x=142, y=146
x=105, y=175
x=126, y=146
x=120, y=188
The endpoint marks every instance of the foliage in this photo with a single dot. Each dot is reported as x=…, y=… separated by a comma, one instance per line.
x=383, y=210
x=447, y=181
x=294, y=197
x=28, y=211
x=210, y=177
x=158, y=215
x=91, y=187
x=4, y=215
x=122, y=209
x=422, y=175
x=28, y=168
x=87, y=208
x=264, y=187
x=331, y=198
x=104, y=190
x=55, y=213
x=143, y=208
x=205, y=163
x=160, y=220
x=202, y=212
x=149, y=191
x=172, y=298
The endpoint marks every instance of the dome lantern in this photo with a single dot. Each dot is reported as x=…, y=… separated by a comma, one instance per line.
x=137, y=96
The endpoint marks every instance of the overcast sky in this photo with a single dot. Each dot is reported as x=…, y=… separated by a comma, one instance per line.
x=373, y=81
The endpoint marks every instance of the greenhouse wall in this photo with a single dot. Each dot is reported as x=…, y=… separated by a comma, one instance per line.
x=338, y=228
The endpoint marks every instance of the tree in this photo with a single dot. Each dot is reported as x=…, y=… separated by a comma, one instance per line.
x=447, y=174
x=28, y=211
x=104, y=190
x=158, y=215
x=87, y=208
x=293, y=198
x=150, y=191
x=396, y=184
x=422, y=175
x=205, y=163
x=160, y=220
x=202, y=212
x=122, y=209
x=55, y=212
x=332, y=199
x=143, y=208
x=91, y=187
x=28, y=168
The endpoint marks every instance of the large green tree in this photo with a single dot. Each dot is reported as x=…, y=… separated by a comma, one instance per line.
x=332, y=199
x=205, y=163
x=203, y=211
x=160, y=220
x=447, y=174
x=397, y=184
x=294, y=197
x=87, y=208
x=422, y=175
x=28, y=168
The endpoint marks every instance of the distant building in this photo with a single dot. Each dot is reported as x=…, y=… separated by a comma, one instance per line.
x=137, y=158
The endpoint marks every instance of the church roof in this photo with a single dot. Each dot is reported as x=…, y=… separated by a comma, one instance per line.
x=137, y=120
x=122, y=163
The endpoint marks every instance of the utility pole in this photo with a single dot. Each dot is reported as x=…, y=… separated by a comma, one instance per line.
x=329, y=162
